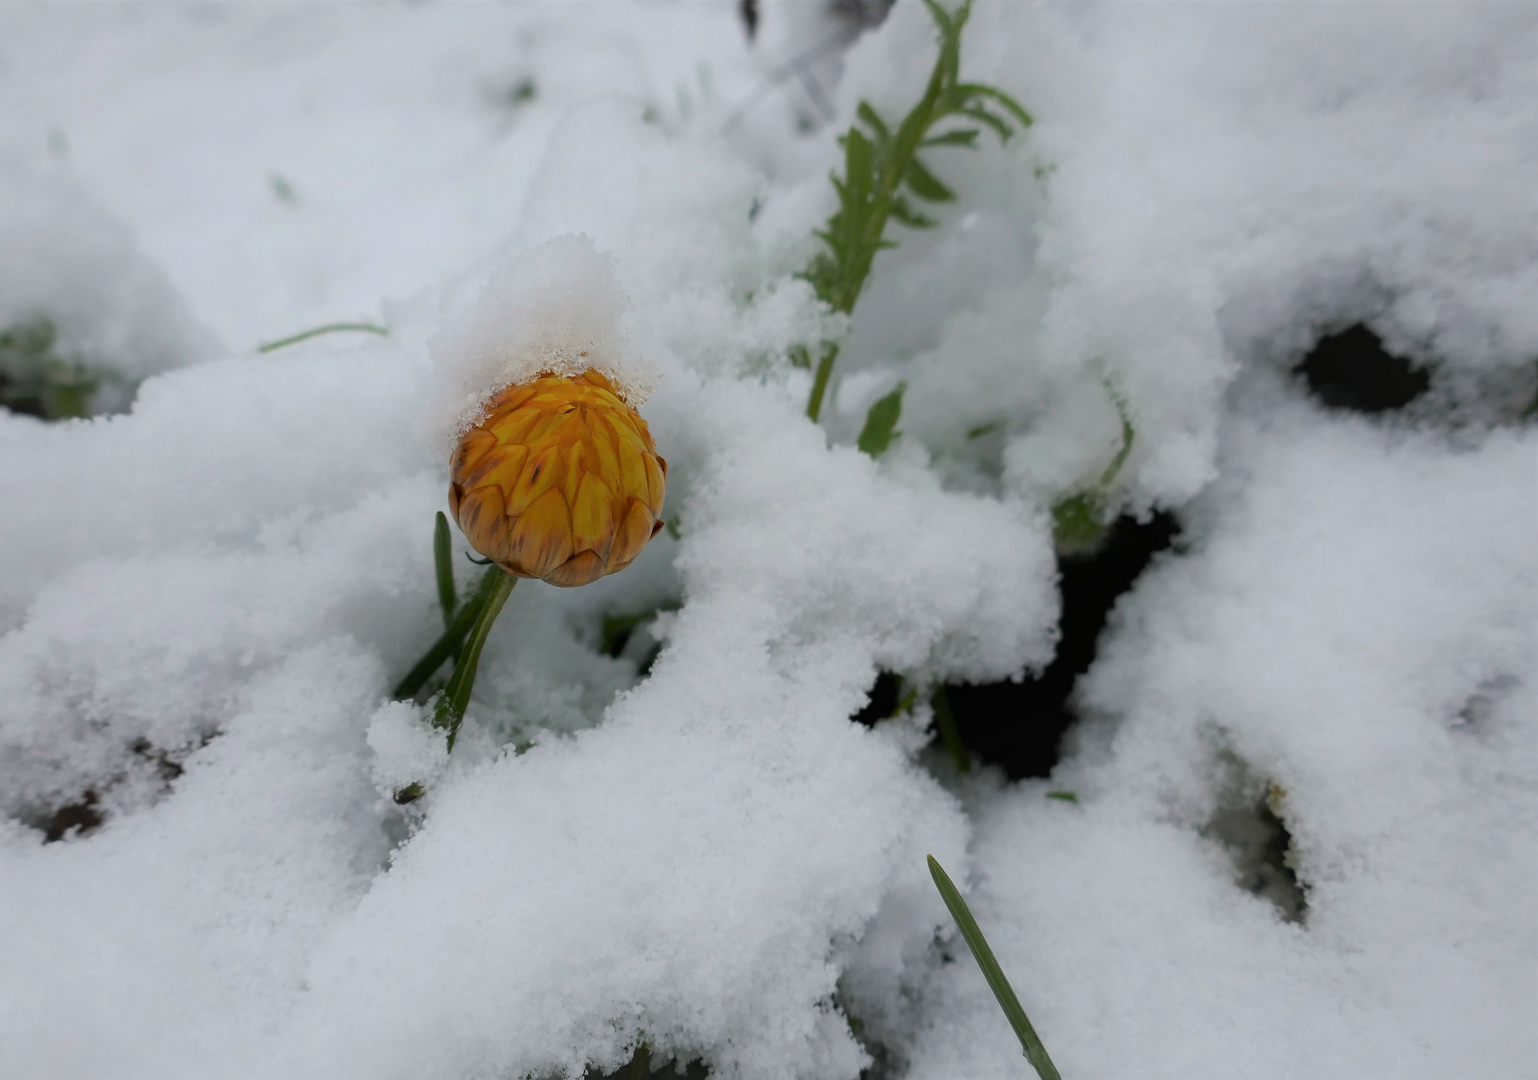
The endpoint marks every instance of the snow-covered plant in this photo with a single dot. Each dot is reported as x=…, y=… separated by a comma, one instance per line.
x=559, y=480
x=881, y=169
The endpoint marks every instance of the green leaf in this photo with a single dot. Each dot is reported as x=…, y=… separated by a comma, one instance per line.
x=873, y=121
x=455, y=699
x=977, y=112
x=923, y=183
x=909, y=216
x=881, y=423
x=972, y=934
x=964, y=137
x=447, y=645
x=443, y=565
x=950, y=734
x=330, y=328
x=1064, y=796
x=976, y=90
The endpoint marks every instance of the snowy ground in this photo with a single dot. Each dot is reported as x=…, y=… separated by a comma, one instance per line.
x=205, y=601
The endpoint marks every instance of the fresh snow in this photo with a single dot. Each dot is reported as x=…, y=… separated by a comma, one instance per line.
x=205, y=600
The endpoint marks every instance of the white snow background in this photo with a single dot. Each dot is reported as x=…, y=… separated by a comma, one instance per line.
x=205, y=601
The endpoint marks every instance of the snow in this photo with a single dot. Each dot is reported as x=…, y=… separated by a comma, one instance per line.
x=205, y=600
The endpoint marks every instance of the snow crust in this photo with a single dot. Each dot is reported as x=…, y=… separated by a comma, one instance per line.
x=205, y=602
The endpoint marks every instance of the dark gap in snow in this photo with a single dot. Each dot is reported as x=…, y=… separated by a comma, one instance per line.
x=1247, y=822
x=640, y=1067
x=882, y=702
x=1352, y=370
x=81, y=815
x=1019, y=726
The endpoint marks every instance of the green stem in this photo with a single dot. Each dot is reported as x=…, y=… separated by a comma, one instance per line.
x=447, y=645
x=456, y=696
x=329, y=328
x=1035, y=1052
x=950, y=734
x=820, y=384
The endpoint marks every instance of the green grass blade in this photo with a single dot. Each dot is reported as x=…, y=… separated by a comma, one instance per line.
x=456, y=696
x=925, y=184
x=448, y=644
x=1035, y=1052
x=950, y=734
x=443, y=564
x=329, y=328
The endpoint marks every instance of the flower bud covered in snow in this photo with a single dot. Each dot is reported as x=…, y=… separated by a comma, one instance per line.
x=561, y=480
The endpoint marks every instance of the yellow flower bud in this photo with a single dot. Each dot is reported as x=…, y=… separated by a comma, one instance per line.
x=561, y=480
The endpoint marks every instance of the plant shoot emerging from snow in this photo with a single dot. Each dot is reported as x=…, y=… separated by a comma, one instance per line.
x=882, y=168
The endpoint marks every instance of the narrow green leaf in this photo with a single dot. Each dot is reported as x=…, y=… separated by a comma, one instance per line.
x=977, y=112
x=941, y=17
x=881, y=423
x=909, y=216
x=1035, y=1052
x=1012, y=106
x=445, y=646
x=1064, y=796
x=964, y=137
x=450, y=710
x=330, y=328
x=950, y=734
x=1127, y=435
x=925, y=185
x=443, y=564
x=857, y=165
x=873, y=121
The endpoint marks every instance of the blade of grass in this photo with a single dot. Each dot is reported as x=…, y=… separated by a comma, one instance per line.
x=1035, y=1052
x=329, y=328
x=443, y=564
x=950, y=734
x=450, y=711
x=449, y=643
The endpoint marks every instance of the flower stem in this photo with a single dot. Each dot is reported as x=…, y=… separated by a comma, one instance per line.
x=820, y=384
x=456, y=696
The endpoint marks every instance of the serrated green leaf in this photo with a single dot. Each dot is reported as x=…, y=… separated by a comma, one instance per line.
x=925, y=185
x=881, y=423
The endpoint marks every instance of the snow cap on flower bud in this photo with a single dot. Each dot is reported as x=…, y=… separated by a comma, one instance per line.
x=553, y=474
x=552, y=309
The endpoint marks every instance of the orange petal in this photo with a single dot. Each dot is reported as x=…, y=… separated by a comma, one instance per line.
x=482, y=520
x=541, y=537
x=471, y=446
x=454, y=494
x=512, y=428
x=538, y=475
x=582, y=568
x=571, y=478
x=592, y=516
x=604, y=458
x=632, y=470
x=500, y=466
x=656, y=481
x=632, y=534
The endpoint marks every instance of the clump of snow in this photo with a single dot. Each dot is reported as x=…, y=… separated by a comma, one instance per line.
x=552, y=309
x=407, y=749
x=205, y=602
x=67, y=262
